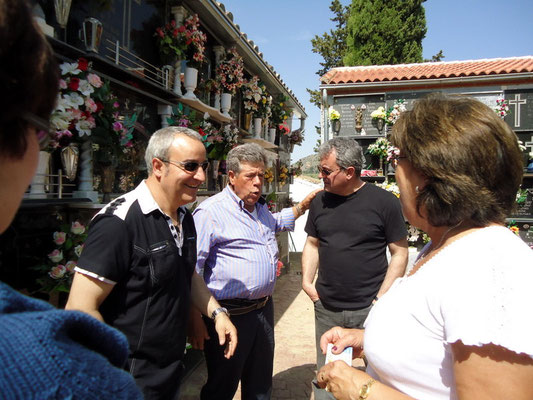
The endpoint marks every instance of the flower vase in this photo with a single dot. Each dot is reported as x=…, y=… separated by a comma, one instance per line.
x=336, y=126
x=85, y=187
x=38, y=182
x=380, y=170
x=108, y=181
x=69, y=160
x=168, y=76
x=380, y=123
x=247, y=121
x=272, y=135
x=225, y=104
x=258, y=126
x=191, y=79
x=177, y=78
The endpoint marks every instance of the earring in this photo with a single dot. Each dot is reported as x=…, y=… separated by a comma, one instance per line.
x=417, y=190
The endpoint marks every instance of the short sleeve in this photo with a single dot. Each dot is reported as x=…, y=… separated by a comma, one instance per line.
x=491, y=299
x=310, y=227
x=395, y=228
x=107, y=250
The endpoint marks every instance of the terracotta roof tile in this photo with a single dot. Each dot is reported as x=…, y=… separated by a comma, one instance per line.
x=436, y=70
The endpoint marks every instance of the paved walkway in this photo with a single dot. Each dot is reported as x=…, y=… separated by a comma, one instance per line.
x=295, y=355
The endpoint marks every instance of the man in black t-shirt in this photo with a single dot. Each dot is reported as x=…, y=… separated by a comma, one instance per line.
x=349, y=227
x=136, y=271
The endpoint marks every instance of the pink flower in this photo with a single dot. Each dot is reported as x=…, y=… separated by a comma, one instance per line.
x=77, y=228
x=59, y=238
x=94, y=80
x=117, y=126
x=90, y=104
x=70, y=266
x=56, y=255
x=57, y=272
x=116, y=104
x=62, y=84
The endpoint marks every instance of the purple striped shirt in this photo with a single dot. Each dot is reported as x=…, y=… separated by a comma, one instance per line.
x=237, y=252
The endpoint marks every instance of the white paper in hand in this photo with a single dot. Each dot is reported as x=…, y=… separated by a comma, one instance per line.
x=345, y=356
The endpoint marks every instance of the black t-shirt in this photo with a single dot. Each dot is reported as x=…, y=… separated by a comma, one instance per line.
x=150, y=301
x=353, y=233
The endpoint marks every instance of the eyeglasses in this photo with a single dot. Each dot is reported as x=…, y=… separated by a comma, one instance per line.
x=43, y=128
x=189, y=166
x=326, y=172
x=395, y=159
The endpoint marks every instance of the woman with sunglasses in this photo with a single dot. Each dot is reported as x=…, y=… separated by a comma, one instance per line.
x=41, y=355
x=459, y=325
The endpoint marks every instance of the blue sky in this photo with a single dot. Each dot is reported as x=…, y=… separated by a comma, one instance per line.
x=463, y=29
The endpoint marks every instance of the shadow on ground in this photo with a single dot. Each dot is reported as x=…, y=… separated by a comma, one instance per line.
x=293, y=383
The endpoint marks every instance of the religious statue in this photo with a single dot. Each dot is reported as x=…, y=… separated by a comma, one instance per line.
x=358, y=120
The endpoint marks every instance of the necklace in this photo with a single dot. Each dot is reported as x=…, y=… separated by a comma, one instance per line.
x=441, y=241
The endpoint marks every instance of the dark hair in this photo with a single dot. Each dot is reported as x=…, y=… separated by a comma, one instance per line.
x=29, y=75
x=348, y=153
x=469, y=155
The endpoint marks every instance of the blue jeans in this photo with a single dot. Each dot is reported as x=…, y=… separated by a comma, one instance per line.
x=325, y=319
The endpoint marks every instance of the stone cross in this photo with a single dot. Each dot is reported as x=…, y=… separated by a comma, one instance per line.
x=517, y=102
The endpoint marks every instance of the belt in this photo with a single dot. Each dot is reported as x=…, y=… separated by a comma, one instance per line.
x=243, y=306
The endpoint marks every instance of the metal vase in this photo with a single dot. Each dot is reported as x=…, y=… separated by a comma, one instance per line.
x=92, y=34
x=69, y=160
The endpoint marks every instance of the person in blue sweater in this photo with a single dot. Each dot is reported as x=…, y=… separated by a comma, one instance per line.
x=45, y=353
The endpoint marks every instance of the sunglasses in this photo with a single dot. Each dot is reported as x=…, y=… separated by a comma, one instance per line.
x=43, y=129
x=189, y=166
x=326, y=172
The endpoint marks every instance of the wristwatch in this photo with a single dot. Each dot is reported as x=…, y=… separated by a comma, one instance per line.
x=218, y=311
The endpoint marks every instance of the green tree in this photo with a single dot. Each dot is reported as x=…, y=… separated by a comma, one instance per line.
x=380, y=32
x=331, y=45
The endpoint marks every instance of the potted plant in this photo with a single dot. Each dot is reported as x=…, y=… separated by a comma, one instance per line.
x=378, y=117
x=335, y=119
x=279, y=116
x=229, y=77
x=380, y=148
x=195, y=41
x=172, y=45
x=251, y=94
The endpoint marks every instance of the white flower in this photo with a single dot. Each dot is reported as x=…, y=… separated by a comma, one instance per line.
x=73, y=100
x=77, y=228
x=60, y=120
x=85, y=87
x=78, y=249
x=67, y=68
x=56, y=255
x=57, y=272
x=84, y=126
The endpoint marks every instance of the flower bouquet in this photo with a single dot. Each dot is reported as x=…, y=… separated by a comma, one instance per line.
x=230, y=72
x=171, y=42
x=283, y=175
x=393, y=113
x=379, y=148
x=502, y=108
x=58, y=269
x=333, y=114
x=252, y=93
x=218, y=142
x=195, y=42
x=279, y=113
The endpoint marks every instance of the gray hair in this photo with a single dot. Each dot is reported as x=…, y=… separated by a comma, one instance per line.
x=249, y=152
x=348, y=153
x=161, y=141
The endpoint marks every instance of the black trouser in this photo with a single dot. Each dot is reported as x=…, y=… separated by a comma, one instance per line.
x=157, y=382
x=252, y=362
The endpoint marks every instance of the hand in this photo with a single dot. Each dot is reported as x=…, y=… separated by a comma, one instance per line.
x=342, y=338
x=227, y=334
x=305, y=203
x=196, y=330
x=343, y=381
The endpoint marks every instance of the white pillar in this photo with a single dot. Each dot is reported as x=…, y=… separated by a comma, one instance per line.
x=219, y=53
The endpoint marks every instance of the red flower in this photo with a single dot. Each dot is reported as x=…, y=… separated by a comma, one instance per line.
x=279, y=267
x=74, y=83
x=175, y=33
x=160, y=32
x=83, y=64
x=181, y=29
x=99, y=106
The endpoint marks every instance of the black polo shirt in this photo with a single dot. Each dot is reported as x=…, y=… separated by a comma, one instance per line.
x=130, y=244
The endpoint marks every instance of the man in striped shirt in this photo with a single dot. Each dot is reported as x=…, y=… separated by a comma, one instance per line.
x=237, y=257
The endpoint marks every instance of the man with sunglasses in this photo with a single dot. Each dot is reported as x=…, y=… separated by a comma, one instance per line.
x=350, y=226
x=237, y=257
x=136, y=271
